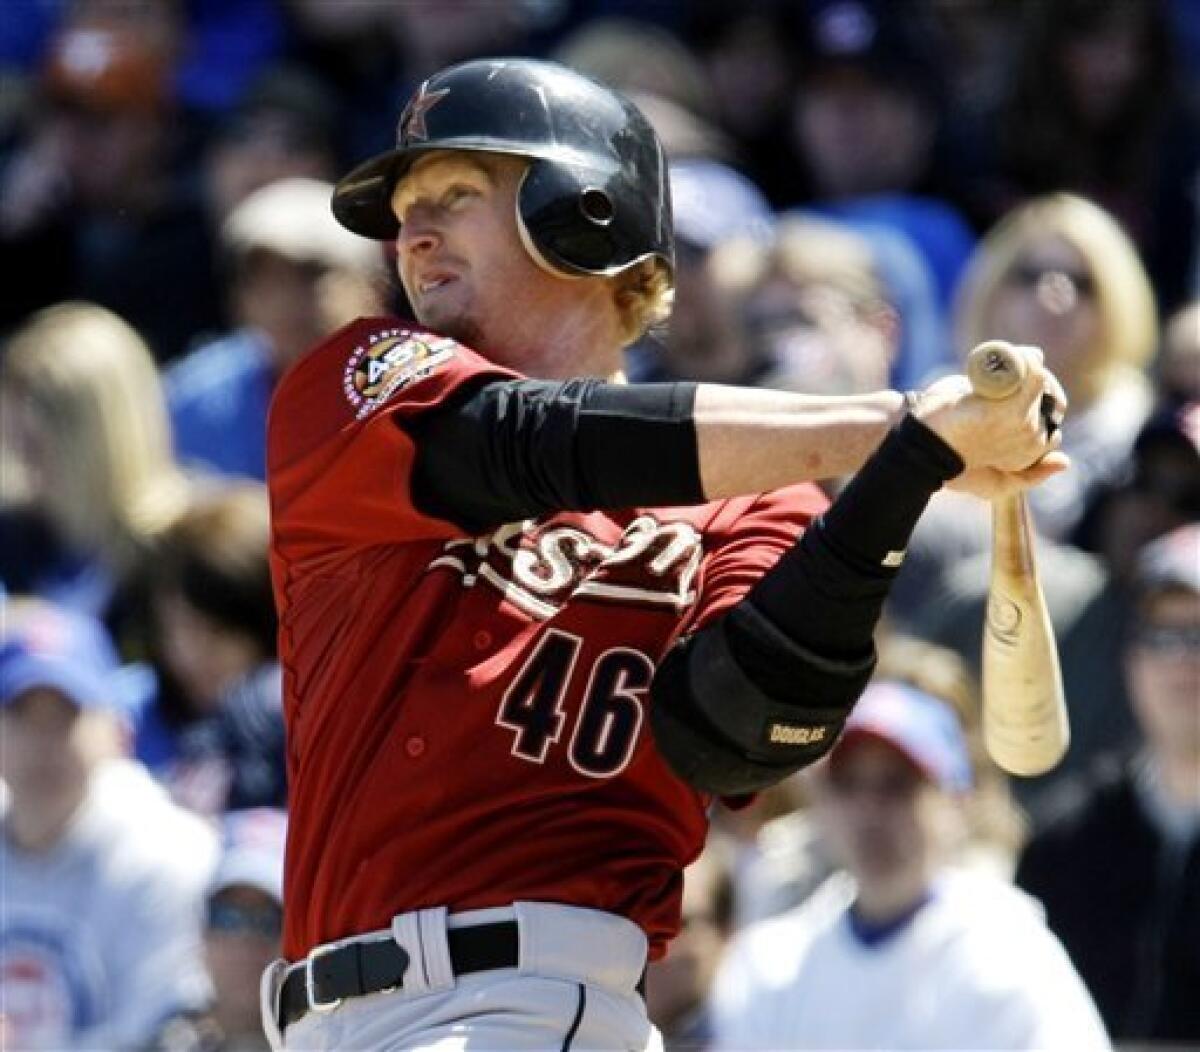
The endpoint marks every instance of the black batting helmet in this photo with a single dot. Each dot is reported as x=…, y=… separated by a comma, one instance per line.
x=595, y=198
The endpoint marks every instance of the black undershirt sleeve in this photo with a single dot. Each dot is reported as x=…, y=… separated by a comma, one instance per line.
x=765, y=689
x=508, y=450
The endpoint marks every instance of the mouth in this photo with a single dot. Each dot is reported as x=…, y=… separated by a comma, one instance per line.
x=433, y=282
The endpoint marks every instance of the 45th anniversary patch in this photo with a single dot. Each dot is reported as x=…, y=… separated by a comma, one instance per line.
x=390, y=360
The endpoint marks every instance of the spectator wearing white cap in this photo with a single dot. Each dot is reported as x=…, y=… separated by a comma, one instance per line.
x=242, y=930
x=1117, y=862
x=901, y=950
x=103, y=875
x=295, y=276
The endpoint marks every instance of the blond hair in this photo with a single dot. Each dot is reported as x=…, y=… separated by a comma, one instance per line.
x=643, y=294
x=1124, y=297
x=93, y=387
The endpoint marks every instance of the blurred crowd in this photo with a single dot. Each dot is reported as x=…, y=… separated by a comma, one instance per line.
x=862, y=192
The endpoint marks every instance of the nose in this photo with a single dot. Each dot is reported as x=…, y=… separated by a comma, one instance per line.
x=418, y=232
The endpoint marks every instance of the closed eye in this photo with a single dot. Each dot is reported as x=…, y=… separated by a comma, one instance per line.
x=457, y=194
x=451, y=200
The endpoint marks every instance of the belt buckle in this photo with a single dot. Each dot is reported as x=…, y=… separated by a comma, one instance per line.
x=310, y=988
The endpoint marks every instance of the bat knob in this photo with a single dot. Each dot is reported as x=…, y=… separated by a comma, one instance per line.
x=996, y=369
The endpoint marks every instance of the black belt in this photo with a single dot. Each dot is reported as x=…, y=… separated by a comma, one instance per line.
x=328, y=977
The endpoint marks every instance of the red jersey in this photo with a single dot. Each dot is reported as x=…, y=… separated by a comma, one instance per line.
x=466, y=715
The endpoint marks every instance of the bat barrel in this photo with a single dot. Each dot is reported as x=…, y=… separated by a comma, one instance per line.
x=1025, y=724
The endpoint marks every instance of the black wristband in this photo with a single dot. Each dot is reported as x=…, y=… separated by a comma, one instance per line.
x=827, y=592
x=872, y=519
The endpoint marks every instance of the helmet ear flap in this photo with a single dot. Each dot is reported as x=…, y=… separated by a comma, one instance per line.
x=568, y=214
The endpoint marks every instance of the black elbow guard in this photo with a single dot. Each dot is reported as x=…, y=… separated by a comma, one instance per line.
x=722, y=734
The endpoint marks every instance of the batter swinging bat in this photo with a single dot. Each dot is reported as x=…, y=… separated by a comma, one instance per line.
x=1025, y=725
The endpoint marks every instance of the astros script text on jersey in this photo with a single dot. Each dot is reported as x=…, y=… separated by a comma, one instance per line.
x=519, y=659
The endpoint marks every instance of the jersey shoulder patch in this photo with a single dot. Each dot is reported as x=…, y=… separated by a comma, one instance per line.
x=388, y=359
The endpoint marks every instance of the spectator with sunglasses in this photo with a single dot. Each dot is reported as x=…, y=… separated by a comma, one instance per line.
x=1158, y=491
x=1060, y=273
x=242, y=930
x=244, y=923
x=1124, y=844
x=1057, y=272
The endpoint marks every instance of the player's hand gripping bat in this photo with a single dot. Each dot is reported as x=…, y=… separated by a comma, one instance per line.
x=1025, y=725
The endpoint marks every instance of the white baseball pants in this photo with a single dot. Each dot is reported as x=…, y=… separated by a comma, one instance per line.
x=573, y=989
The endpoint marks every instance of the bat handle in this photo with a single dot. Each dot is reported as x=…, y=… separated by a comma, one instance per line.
x=996, y=369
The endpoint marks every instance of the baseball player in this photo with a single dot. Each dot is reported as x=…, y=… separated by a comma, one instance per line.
x=532, y=618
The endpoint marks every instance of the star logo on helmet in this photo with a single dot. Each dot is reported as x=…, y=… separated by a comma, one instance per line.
x=412, y=120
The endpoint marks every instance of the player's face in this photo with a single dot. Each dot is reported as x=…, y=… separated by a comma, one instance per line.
x=461, y=259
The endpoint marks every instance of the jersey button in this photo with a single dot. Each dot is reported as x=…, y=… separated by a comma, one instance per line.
x=482, y=640
x=414, y=746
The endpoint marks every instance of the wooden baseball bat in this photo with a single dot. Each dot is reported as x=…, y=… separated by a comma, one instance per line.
x=1025, y=726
